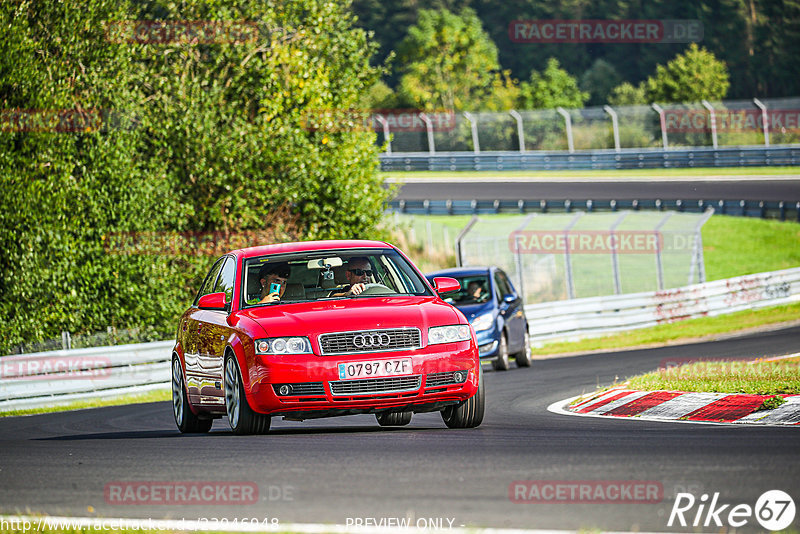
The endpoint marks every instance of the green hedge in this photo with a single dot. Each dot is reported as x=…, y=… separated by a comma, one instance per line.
x=175, y=137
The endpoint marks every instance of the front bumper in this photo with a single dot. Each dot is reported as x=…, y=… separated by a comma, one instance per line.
x=488, y=343
x=316, y=390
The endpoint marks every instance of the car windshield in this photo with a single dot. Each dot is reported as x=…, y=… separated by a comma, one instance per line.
x=474, y=290
x=332, y=274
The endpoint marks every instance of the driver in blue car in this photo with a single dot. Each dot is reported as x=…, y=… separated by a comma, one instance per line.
x=357, y=274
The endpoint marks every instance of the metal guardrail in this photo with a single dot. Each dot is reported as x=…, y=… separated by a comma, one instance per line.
x=633, y=158
x=574, y=319
x=744, y=208
x=64, y=376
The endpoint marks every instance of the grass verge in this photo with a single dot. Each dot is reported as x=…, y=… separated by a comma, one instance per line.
x=739, y=376
x=736, y=246
x=680, y=331
x=153, y=396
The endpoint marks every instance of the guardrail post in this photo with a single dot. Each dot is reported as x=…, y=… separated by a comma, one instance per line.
x=381, y=119
x=614, y=125
x=520, y=131
x=429, y=127
x=518, y=255
x=473, y=125
x=460, y=237
x=66, y=340
x=713, y=116
x=698, y=260
x=568, y=124
x=764, y=119
x=659, y=244
x=568, y=258
x=615, y=254
x=663, y=120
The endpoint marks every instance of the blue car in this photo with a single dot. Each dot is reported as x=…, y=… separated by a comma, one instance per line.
x=494, y=308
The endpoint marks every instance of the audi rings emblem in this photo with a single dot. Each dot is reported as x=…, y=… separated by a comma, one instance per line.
x=371, y=341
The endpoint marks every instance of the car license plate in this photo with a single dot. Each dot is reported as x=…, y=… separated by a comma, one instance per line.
x=369, y=369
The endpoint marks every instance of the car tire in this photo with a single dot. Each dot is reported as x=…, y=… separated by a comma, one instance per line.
x=501, y=362
x=241, y=417
x=394, y=418
x=187, y=421
x=523, y=357
x=469, y=413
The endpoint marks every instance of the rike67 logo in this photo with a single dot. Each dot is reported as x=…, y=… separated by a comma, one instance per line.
x=774, y=510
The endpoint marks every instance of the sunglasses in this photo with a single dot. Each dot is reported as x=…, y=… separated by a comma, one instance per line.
x=361, y=272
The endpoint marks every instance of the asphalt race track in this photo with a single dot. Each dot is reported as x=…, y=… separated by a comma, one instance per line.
x=544, y=189
x=327, y=471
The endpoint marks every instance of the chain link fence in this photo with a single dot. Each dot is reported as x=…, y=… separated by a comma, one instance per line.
x=764, y=122
x=576, y=255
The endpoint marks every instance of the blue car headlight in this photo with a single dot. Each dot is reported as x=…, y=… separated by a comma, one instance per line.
x=483, y=322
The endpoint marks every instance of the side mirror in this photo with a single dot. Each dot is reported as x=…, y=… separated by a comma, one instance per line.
x=212, y=301
x=445, y=284
x=509, y=298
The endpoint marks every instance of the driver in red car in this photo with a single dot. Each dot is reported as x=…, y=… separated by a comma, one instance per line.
x=358, y=271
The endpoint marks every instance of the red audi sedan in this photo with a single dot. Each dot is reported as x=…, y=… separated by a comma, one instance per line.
x=322, y=329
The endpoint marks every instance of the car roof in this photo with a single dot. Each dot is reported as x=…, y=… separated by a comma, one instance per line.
x=308, y=246
x=461, y=271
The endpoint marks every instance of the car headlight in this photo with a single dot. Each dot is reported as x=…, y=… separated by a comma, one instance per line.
x=283, y=345
x=482, y=322
x=448, y=334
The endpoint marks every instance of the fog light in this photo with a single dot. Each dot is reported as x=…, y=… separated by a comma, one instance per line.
x=285, y=390
x=459, y=376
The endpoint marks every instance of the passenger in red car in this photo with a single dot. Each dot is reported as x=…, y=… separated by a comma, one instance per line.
x=276, y=273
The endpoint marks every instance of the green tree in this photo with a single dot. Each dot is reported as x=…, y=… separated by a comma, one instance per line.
x=552, y=88
x=690, y=77
x=625, y=94
x=248, y=127
x=71, y=175
x=180, y=135
x=447, y=61
x=599, y=81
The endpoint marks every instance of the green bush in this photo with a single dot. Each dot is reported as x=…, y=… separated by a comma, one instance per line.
x=177, y=136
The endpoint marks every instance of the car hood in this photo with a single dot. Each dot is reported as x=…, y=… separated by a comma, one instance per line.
x=308, y=318
x=471, y=311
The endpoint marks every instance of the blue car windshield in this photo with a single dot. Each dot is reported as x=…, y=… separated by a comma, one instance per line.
x=474, y=290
